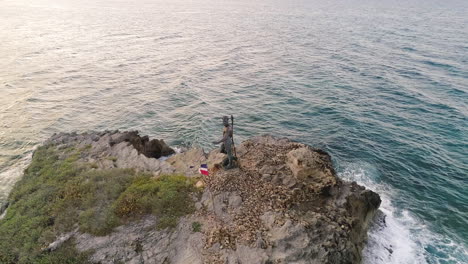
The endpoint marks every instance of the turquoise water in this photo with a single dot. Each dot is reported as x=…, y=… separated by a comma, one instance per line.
x=381, y=85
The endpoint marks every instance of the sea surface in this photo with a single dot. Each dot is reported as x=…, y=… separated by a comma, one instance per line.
x=380, y=84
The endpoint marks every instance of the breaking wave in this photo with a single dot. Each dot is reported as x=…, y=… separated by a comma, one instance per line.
x=396, y=236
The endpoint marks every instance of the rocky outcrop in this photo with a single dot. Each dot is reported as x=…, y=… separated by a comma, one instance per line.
x=312, y=167
x=285, y=204
x=3, y=209
x=140, y=242
x=115, y=149
x=293, y=208
x=154, y=148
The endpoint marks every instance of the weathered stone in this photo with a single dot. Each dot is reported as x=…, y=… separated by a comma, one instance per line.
x=200, y=184
x=176, y=246
x=4, y=207
x=311, y=167
x=60, y=240
x=207, y=200
x=285, y=205
x=235, y=201
x=268, y=219
x=150, y=148
x=215, y=157
x=188, y=162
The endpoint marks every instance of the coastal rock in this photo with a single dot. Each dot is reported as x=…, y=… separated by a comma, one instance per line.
x=60, y=240
x=294, y=208
x=150, y=148
x=115, y=149
x=311, y=167
x=188, y=163
x=4, y=207
x=284, y=204
x=139, y=242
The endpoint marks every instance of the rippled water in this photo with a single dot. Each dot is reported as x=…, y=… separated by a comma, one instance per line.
x=381, y=85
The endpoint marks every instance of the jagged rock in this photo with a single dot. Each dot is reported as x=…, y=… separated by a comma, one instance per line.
x=235, y=201
x=268, y=219
x=311, y=167
x=215, y=157
x=124, y=155
x=60, y=240
x=177, y=246
x=200, y=184
x=292, y=243
x=245, y=254
x=3, y=207
x=115, y=149
x=291, y=195
x=150, y=148
x=284, y=204
x=188, y=162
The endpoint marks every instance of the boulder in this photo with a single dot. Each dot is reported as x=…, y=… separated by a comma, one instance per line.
x=140, y=242
x=188, y=163
x=311, y=167
x=154, y=148
x=270, y=210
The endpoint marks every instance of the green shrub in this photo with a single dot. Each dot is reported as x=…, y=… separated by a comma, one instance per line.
x=58, y=193
x=168, y=197
x=29, y=223
x=89, y=198
x=196, y=227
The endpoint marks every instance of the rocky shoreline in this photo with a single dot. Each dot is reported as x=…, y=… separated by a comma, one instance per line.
x=284, y=204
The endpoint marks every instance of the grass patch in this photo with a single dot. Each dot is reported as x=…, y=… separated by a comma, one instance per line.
x=168, y=197
x=58, y=193
x=196, y=227
x=111, y=158
x=86, y=147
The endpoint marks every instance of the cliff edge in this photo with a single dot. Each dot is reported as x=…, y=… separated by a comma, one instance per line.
x=109, y=197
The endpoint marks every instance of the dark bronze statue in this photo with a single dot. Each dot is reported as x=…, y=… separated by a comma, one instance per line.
x=228, y=144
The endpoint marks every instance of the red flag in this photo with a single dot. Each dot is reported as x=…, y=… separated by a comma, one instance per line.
x=204, y=169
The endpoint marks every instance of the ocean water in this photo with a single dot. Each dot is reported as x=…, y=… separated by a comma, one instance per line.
x=380, y=84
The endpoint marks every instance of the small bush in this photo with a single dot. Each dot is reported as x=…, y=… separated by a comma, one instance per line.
x=57, y=192
x=168, y=197
x=90, y=197
x=196, y=227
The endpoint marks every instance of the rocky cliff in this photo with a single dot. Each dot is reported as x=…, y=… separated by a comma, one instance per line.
x=284, y=204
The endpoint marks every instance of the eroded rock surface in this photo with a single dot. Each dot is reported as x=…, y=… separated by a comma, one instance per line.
x=294, y=209
x=141, y=242
x=284, y=204
x=115, y=149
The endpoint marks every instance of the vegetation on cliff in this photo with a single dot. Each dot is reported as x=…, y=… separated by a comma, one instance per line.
x=100, y=197
x=58, y=193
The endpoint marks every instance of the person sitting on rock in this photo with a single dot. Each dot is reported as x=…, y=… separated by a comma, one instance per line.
x=227, y=141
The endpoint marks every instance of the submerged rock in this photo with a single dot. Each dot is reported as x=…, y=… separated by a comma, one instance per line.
x=285, y=204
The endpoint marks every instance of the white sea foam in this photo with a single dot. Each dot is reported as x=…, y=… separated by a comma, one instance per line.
x=11, y=175
x=396, y=236
x=3, y=214
x=177, y=151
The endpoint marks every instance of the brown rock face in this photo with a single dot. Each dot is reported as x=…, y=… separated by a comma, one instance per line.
x=312, y=167
x=154, y=148
x=118, y=149
x=284, y=204
x=293, y=209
